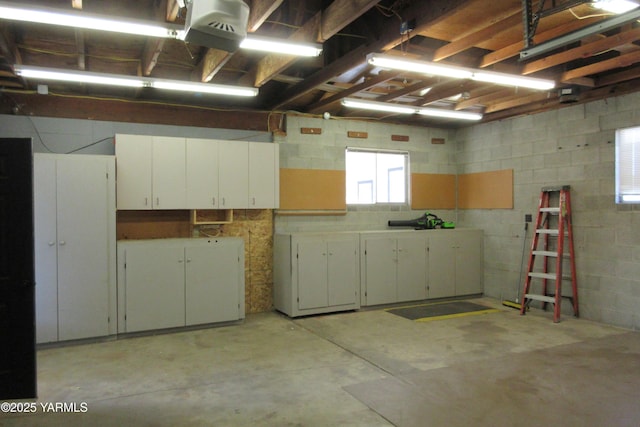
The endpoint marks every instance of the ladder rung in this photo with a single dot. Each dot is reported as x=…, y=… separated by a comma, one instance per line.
x=545, y=253
x=551, y=276
x=549, y=231
x=543, y=298
x=550, y=210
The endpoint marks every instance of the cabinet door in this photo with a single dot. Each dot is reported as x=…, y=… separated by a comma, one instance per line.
x=202, y=173
x=412, y=268
x=469, y=263
x=134, y=160
x=46, y=247
x=263, y=158
x=380, y=270
x=233, y=174
x=342, y=273
x=83, y=248
x=442, y=265
x=169, y=173
x=212, y=283
x=312, y=273
x=154, y=287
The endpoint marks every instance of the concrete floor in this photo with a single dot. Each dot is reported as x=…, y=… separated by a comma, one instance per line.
x=369, y=368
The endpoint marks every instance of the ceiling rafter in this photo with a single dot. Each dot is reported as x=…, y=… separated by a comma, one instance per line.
x=606, y=65
x=424, y=15
x=368, y=83
x=583, y=51
x=477, y=37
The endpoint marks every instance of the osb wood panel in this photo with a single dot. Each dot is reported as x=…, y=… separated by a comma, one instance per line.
x=486, y=190
x=312, y=189
x=152, y=224
x=433, y=191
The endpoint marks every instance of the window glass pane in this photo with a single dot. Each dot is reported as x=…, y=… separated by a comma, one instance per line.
x=628, y=165
x=376, y=177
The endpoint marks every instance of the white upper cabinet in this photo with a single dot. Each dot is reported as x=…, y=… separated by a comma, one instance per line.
x=189, y=173
x=233, y=173
x=202, y=174
x=169, y=173
x=264, y=160
x=134, y=169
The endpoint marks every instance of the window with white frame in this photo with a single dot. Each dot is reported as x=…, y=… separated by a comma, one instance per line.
x=376, y=176
x=628, y=165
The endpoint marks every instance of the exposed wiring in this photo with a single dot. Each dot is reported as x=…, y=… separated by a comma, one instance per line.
x=90, y=145
x=597, y=15
x=33, y=125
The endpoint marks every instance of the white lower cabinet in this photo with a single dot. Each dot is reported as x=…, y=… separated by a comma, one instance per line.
x=316, y=273
x=394, y=267
x=455, y=263
x=170, y=283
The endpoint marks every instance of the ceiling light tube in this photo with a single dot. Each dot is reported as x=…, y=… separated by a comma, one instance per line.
x=422, y=67
x=408, y=109
x=504, y=79
x=452, y=71
x=77, y=19
x=449, y=114
x=129, y=81
x=615, y=6
x=77, y=76
x=378, y=106
x=203, y=88
x=280, y=46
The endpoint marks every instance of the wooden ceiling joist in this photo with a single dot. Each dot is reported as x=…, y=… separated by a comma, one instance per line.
x=476, y=38
x=609, y=64
x=584, y=51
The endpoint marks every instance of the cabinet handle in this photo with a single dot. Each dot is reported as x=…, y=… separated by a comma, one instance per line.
x=188, y=259
x=157, y=201
x=146, y=201
x=62, y=243
x=213, y=201
x=223, y=202
x=180, y=261
x=253, y=201
x=52, y=243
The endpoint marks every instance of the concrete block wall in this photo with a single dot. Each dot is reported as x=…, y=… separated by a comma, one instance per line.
x=327, y=151
x=575, y=146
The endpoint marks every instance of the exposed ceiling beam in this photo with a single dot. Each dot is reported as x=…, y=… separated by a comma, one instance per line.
x=425, y=14
x=173, y=9
x=619, y=77
x=76, y=4
x=8, y=47
x=406, y=90
x=446, y=90
x=259, y=11
x=152, y=50
x=584, y=51
x=514, y=49
x=609, y=64
x=483, y=96
x=516, y=101
x=318, y=29
x=370, y=82
x=477, y=37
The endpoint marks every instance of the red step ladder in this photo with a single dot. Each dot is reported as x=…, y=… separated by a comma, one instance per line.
x=552, y=228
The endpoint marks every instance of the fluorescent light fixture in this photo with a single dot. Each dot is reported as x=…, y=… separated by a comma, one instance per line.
x=203, y=88
x=452, y=71
x=281, y=46
x=77, y=19
x=512, y=80
x=127, y=81
x=378, y=106
x=449, y=114
x=408, y=109
x=422, y=67
x=77, y=76
x=615, y=6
